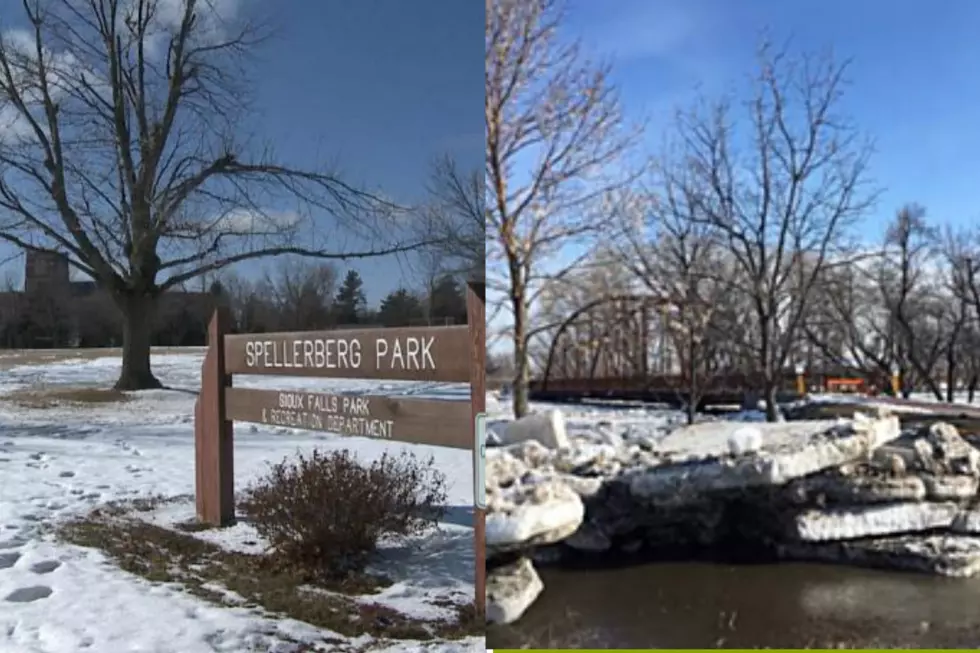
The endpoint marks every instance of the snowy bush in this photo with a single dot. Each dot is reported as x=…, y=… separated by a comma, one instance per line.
x=325, y=514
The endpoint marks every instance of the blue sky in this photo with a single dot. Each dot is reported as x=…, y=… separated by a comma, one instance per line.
x=379, y=87
x=915, y=77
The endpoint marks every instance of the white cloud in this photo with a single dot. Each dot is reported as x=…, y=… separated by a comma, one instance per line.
x=212, y=18
x=61, y=69
x=247, y=222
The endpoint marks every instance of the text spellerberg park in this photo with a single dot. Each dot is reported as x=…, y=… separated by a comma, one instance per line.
x=404, y=353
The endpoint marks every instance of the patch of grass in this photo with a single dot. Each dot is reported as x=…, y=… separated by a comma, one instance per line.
x=254, y=581
x=50, y=397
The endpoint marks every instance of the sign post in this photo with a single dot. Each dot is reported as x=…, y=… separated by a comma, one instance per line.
x=213, y=437
x=476, y=320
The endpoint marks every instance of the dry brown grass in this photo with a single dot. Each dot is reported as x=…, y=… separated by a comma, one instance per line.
x=41, y=398
x=209, y=572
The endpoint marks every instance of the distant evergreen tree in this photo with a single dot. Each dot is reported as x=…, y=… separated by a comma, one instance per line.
x=400, y=308
x=447, y=301
x=350, y=303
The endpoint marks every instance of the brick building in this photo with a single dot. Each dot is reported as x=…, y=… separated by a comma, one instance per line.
x=55, y=311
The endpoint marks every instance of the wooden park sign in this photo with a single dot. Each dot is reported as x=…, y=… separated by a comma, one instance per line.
x=452, y=354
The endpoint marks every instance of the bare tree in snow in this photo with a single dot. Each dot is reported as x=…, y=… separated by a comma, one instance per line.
x=122, y=147
x=455, y=221
x=680, y=259
x=908, y=282
x=555, y=145
x=781, y=187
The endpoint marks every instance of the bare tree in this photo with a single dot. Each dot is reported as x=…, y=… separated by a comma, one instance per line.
x=123, y=149
x=958, y=316
x=250, y=311
x=300, y=294
x=679, y=259
x=781, y=188
x=455, y=220
x=847, y=324
x=586, y=318
x=968, y=290
x=908, y=280
x=553, y=114
x=968, y=356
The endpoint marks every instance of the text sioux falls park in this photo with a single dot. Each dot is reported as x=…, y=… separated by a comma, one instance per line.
x=340, y=414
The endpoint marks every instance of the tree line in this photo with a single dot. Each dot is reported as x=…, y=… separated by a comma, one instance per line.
x=294, y=296
x=302, y=295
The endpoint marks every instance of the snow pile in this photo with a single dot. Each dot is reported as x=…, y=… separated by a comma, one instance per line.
x=547, y=428
x=536, y=494
x=511, y=591
x=784, y=451
x=540, y=511
x=850, y=523
x=856, y=490
x=60, y=462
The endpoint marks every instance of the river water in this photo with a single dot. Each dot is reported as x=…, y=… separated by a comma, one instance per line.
x=701, y=605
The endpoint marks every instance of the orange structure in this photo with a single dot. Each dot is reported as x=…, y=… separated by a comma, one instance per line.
x=849, y=385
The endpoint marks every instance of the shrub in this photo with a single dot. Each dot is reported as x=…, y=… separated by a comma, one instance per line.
x=324, y=514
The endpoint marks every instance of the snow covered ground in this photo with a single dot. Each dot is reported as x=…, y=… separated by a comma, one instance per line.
x=61, y=461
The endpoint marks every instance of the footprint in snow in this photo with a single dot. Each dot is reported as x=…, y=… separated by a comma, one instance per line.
x=8, y=560
x=29, y=594
x=45, y=567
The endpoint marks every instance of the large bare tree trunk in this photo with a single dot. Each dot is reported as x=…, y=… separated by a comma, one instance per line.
x=522, y=372
x=950, y=373
x=769, y=374
x=694, y=390
x=137, y=315
x=772, y=405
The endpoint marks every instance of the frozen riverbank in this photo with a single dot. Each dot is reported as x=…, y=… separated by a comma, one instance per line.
x=855, y=490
